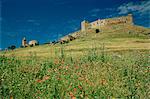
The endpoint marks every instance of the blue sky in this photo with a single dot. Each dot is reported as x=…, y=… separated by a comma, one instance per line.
x=48, y=20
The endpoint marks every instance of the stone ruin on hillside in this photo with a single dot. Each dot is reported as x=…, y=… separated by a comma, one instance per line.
x=96, y=26
x=24, y=42
x=85, y=25
x=31, y=43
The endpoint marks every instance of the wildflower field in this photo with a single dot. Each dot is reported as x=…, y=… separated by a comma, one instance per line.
x=96, y=75
x=113, y=64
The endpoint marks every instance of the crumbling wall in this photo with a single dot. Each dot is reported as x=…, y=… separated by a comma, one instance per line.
x=120, y=20
x=100, y=23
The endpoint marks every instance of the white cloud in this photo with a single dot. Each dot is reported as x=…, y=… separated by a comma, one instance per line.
x=95, y=10
x=34, y=22
x=31, y=20
x=94, y=15
x=142, y=7
x=140, y=10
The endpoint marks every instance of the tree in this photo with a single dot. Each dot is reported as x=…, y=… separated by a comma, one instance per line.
x=12, y=47
x=9, y=48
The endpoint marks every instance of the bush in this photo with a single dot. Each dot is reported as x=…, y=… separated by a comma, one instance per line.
x=31, y=45
x=12, y=47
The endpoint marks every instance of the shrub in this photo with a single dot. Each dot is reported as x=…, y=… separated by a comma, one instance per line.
x=12, y=47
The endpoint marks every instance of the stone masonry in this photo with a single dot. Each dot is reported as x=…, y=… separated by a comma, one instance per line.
x=85, y=25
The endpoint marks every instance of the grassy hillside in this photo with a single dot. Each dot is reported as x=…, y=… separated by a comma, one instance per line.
x=111, y=64
x=114, y=38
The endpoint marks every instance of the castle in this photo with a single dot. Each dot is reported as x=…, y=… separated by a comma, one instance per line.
x=95, y=26
x=85, y=25
x=98, y=24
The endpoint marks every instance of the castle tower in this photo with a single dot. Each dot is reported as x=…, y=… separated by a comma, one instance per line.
x=85, y=25
x=24, y=42
x=130, y=19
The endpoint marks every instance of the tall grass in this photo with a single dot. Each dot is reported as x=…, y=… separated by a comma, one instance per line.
x=96, y=75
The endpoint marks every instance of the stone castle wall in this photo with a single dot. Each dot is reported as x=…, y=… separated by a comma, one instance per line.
x=85, y=25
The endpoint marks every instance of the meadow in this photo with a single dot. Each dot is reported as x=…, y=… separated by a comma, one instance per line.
x=96, y=75
x=115, y=65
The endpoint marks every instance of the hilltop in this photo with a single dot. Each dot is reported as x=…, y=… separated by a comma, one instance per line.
x=115, y=34
x=96, y=63
x=120, y=37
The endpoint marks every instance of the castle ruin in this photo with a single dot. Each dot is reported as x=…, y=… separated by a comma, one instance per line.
x=98, y=24
x=85, y=25
x=31, y=43
x=24, y=42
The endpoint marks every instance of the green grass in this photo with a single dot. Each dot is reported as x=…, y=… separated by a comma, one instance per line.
x=96, y=75
x=107, y=65
x=120, y=38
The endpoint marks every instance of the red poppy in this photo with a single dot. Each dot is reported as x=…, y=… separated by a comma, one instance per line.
x=75, y=89
x=58, y=78
x=46, y=77
x=80, y=87
x=72, y=96
x=77, y=67
x=39, y=81
x=56, y=61
x=103, y=82
x=11, y=97
x=67, y=67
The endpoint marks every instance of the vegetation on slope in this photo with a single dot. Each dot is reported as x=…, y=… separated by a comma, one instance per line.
x=96, y=75
x=113, y=63
x=115, y=38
